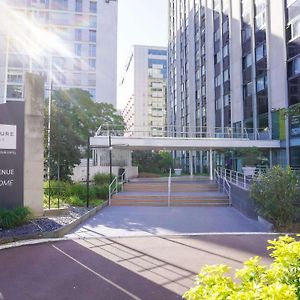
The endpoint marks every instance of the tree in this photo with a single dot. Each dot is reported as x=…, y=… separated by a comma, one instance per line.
x=74, y=117
x=153, y=162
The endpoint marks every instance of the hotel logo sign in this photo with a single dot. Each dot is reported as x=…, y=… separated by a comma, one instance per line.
x=8, y=137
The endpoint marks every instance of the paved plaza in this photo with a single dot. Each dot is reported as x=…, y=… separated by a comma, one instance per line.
x=143, y=221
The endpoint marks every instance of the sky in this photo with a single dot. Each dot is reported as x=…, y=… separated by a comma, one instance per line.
x=141, y=22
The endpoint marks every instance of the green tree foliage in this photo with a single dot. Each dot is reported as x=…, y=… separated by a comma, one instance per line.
x=152, y=162
x=293, y=110
x=74, y=117
x=250, y=156
x=277, y=195
x=254, y=282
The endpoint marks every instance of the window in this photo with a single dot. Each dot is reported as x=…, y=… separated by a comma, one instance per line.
x=78, y=6
x=297, y=65
x=225, y=26
x=92, y=64
x=247, y=61
x=295, y=29
x=217, y=57
x=77, y=49
x=247, y=88
x=59, y=4
x=226, y=75
x=93, y=21
x=260, y=52
x=260, y=21
x=261, y=83
x=77, y=79
x=294, y=67
x=217, y=35
x=225, y=50
x=93, y=36
x=226, y=100
x=78, y=34
x=157, y=52
x=93, y=7
x=92, y=50
x=246, y=33
x=15, y=78
x=14, y=91
x=217, y=81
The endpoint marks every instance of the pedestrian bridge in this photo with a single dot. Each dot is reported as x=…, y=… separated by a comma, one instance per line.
x=188, y=140
x=178, y=143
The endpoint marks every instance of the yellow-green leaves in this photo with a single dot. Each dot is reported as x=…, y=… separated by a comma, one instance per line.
x=279, y=281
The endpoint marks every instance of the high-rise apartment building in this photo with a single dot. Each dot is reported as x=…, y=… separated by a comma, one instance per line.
x=228, y=70
x=143, y=91
x=72, y=43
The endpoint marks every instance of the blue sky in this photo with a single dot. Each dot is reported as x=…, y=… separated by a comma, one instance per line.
x=143, y=22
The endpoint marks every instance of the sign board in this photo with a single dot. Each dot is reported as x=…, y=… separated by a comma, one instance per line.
x=8, y=137
x=295, y=126
x=11, y=154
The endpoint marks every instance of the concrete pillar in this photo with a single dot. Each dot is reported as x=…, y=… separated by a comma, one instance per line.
x=271, y=158
x=191, y=163
x=211, y=175
x=34, y=146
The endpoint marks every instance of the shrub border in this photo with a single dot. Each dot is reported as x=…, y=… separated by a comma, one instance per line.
x=58, y=233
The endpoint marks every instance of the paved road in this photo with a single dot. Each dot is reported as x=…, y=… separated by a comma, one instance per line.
x=118, y=221
x=154, y=268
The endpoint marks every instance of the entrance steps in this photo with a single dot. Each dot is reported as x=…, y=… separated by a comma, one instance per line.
x=182, y=194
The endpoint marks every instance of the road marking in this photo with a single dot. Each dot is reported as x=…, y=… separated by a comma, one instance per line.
x=97, y=274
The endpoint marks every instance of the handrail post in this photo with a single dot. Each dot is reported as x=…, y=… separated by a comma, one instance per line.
x=116, y=184
x=245, y=184
x=169, y=187
x=109, y=195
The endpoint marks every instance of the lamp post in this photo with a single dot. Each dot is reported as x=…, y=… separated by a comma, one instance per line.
x=49, y=144
x=110, y=157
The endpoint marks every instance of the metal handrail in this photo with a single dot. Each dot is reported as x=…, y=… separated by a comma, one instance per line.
x=227, y=190
x=184, y=132
x=113, y=187
x=238, y=178
x=169, y=187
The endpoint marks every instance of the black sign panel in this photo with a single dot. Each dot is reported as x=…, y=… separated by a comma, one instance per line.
x=11, y=154
x=295, y=126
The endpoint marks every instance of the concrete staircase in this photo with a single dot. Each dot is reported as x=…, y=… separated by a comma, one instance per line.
x=185, y=193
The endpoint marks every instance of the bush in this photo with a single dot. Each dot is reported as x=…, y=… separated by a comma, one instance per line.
x=277, y=196
x=74, y=194
x=15, y=217
x=101, y=179
x=280, y=281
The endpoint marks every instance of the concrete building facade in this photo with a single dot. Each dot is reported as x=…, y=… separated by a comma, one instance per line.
x=143, y=91
x=228, y=70
x=71, y=43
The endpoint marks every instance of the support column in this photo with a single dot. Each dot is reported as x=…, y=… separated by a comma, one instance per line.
x=191, y=163
x=271, y=158
x=211, y=175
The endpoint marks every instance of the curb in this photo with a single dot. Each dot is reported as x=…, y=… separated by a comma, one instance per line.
x=266, y=223
x=58, y=233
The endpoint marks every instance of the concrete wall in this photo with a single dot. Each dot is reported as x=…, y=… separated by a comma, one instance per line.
x=34, y=143
x=242, y=201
